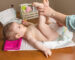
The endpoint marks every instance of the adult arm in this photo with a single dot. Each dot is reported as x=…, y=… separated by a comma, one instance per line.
x=67, y=20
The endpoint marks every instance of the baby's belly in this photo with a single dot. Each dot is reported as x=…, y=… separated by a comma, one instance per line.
x=41, y=37
x=38, y=35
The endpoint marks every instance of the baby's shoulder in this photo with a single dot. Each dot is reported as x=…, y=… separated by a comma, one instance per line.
x=30, y=29
x=29, y=34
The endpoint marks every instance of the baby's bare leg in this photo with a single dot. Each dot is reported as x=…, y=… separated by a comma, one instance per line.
x=48, y=20
x=44, y=28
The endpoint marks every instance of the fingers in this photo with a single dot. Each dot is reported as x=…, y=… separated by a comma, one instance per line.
x=46, y=3
x=41, y=10
x=24, y=21
x=36, y=4
x=48, y=53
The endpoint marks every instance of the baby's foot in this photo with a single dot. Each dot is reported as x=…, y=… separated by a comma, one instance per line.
x=38, y=5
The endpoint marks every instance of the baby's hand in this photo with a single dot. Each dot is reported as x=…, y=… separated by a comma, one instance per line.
x=26, y=23
x=47, y=52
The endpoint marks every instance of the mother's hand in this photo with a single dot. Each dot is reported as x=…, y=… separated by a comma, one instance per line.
x=47, y=10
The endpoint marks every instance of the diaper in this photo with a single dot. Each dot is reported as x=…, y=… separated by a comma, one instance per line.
x=64, y=33
x=64, y=39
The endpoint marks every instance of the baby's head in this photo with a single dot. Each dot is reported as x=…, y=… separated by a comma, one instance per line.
x=13, y=31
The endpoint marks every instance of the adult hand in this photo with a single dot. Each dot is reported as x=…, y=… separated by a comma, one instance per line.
x=47, y=10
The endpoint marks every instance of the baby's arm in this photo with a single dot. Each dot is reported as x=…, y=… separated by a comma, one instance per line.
x=48, y=20
x=26, y=23
x=38, y=45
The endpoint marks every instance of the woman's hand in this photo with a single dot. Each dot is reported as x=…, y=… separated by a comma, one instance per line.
x=47, y=10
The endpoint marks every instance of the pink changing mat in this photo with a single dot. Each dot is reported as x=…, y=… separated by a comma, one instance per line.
x=12, y=45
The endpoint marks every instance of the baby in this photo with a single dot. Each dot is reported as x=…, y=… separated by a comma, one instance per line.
x=32, y=33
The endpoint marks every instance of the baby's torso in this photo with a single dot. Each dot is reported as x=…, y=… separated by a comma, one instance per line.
x=35, y=32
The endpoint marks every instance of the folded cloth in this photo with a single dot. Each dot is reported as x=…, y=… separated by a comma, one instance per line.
x=7, y=15
x=12, y=45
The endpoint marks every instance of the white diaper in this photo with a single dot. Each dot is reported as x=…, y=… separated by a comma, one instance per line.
x=64, y=40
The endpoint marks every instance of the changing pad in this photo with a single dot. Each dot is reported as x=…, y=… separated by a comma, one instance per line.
x=65, y=41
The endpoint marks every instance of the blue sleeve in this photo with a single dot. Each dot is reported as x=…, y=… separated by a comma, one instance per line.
x=70, y=22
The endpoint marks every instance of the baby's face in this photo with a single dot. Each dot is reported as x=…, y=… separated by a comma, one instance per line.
x=19, y=28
